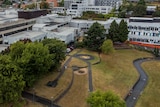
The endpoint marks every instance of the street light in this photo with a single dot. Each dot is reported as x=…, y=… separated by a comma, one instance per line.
x=33, y=94
x=51, y=101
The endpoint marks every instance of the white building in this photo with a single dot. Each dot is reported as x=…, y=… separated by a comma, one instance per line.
x=32, y=35
x=99, y=9
x=84, y=25
x=76, y=8
x=65, y=34
x=57, y=27
x=144, y=30
x=113, y=3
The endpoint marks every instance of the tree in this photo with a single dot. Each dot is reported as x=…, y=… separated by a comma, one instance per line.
x=35, y=61
x=44, y=5
x=11, y=78
x=140, y=8
x=16, y=50
x=96, y=36
x=30, y=6
x=123, y=31
x=7, y=2
x=107, y=46
x=156, y=13
x=141, y=2
x=57, y=49
x=61, y=4
x=156, y=52
x=105, y=99
x=122, y=14
x=113, y=32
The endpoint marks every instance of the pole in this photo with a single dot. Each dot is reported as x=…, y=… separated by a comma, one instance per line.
x=33, y=94
x=51, y=101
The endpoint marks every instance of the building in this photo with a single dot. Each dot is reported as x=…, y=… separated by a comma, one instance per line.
x=32, y=35
x=113, y=3
x=58, y=10
x=67, y=3
x=151, y=9
x=65, y=34
x=144, y=30
x=99, y=9
x=29, y=14
x=57, y=27
x=84, y=25
x=76, y=9
x=8, y=15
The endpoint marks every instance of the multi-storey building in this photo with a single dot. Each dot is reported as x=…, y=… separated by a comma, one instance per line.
x=15, y=27
x=77, y=8
x=144, y=30
x=113, y=3
x=67, y=3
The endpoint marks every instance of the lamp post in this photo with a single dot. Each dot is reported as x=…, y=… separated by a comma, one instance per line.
x=33, y=94
x=52, y=101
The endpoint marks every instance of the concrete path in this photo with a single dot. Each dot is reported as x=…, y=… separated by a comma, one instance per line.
x=139, y=86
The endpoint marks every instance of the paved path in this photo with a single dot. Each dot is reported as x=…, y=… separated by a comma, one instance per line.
x=90, y=85
x=138, y=88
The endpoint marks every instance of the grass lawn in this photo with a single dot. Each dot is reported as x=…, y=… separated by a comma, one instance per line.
x=76, y=97
x=150, y=96
x=116, y=72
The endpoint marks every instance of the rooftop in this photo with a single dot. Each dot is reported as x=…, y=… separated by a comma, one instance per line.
x=26, y=34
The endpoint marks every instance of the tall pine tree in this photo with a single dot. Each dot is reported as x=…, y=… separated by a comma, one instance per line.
x=123, y=31
x=113, y=32
x=96, y=36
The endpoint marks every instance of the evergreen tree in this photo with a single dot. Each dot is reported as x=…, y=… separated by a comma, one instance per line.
x=123, y=31
x=96, y=36
x=113, y=32
x=156, y=52
x=140, y=8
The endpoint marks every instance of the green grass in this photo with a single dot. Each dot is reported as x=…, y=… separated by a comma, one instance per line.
x=116, y=72
x=150, y=96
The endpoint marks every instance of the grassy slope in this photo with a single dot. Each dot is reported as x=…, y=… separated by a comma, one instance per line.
x=150, y=96
x=115, y=72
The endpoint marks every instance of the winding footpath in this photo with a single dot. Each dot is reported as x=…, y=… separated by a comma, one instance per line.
x=139, y=86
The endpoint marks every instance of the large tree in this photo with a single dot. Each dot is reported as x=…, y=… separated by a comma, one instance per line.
x=96, y=36
x=57, y=49
x=11, y=80
x=123, y=31
x=113, y=32
x=118, y=32
x=16, y=50
x=107, y=46
x=105, y=99
x=35, y=61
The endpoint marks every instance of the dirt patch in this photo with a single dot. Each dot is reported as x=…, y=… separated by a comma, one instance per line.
x=82, y=71
x=85, y=57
